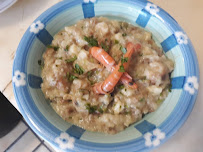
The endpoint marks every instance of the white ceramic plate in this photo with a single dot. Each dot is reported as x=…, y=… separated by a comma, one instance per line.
x=5, y=4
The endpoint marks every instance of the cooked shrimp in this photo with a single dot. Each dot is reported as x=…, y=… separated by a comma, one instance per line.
x=104, y=58
x=111, y=81
x=126, y=79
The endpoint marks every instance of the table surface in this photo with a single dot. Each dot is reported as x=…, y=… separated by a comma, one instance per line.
x=188, y=13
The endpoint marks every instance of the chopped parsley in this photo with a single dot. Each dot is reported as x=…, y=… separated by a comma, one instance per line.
x=91, y=41
x=144, y=78
x=92, y=82
x=121, y=69
x=123, y=25
x=91, y=109
x=142, y=99
x=124, y=34
x=116, y=42
x=100, y=110
x=71, y=59
x=123, y=50
x=124, y=59
x=89, y=74
x=121, y=86
x=67, y=48
x=105, y=47
x=53, y=47
x=41, y=64
x=71, y=77
x=169, y=88
x=78, y=69
x=141, y=54
x=60, y=58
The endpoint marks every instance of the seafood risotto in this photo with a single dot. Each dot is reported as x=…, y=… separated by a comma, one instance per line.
x=104, y=75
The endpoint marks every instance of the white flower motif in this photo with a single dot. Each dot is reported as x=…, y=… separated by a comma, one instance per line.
x=181, y=38
x=87, y=1
x=65, y=141
x=36, y=27
x=191, y=85
x=152, y=8
x=154, y=137
x=19, y=78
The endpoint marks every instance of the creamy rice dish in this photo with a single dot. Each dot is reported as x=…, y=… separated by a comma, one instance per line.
x=103, y=75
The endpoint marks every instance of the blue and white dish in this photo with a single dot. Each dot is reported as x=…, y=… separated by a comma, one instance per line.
x=155, y=128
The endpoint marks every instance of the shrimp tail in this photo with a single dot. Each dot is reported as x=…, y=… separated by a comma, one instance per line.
x=126, y=79
x=98, y=89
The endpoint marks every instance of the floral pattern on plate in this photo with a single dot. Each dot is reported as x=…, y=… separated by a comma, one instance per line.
x=19, y=78
x=36, y=27
x=65, y=141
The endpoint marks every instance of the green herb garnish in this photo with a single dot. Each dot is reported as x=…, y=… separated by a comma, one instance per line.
x=60, y=58
x=142, y=99
x=89, y=74
x=70, y=77
x=71, y=59
x=116, y=42
x=78, y=69
x=123, y=50
x=121, y=69
x=124, y=59
x=67, y=75
x=141, y=54
x=67, y=48
x=91, y=41
x=121, y=86
x=169, y=87
x=124, y=34
x=91, y=109
x=144, y=78
x=92, y=82
x=100, y=110
x=41, y=64
x=105, y=47
x=53, y=47
x=69, y=100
